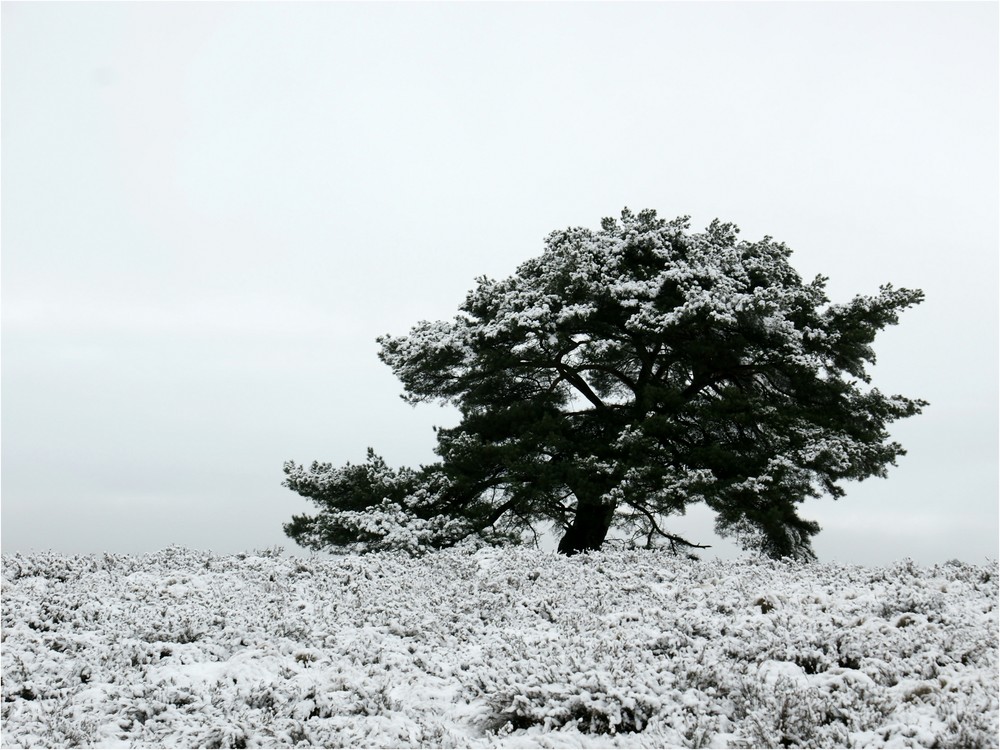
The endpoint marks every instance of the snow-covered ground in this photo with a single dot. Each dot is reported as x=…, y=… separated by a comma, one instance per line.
x=495, y=648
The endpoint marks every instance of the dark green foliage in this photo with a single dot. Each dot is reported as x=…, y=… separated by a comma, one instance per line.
x=616, y=379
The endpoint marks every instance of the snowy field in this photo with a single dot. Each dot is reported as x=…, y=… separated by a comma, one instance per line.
x=495, y=648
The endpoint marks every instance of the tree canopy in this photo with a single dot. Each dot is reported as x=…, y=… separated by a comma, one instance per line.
x=616, y=379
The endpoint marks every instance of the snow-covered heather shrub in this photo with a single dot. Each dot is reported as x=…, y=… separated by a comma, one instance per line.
x=783, y=708
x=494, y=648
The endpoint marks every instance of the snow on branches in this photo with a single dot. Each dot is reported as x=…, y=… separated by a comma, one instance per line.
x=640, y=368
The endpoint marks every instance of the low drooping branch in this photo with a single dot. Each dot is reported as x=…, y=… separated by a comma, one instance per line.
x=655, y=529
x=493, y=517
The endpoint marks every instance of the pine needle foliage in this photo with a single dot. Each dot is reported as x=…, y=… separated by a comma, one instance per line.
x=616, y=379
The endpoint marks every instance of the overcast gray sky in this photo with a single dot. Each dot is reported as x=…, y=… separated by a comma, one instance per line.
x=210, y=211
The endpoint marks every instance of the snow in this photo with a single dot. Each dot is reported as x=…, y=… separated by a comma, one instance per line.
x=508, y=647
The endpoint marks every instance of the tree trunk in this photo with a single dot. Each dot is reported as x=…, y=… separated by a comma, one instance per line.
x=589, y=528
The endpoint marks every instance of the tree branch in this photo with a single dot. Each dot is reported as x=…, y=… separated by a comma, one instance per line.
x=632, y=385
x=493, y=517
x=673, y=538
x=574, y=379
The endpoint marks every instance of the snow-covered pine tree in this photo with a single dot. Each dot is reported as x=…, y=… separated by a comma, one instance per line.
x=617, y=378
